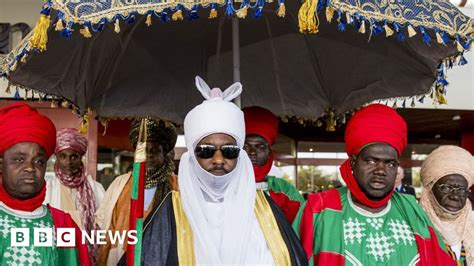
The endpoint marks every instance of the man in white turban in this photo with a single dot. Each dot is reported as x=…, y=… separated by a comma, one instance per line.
x=218, y=217
x=447, y=174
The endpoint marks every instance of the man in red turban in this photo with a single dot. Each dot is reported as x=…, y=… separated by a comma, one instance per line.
x=27, y=140
x=261, y=129
x=366, y=223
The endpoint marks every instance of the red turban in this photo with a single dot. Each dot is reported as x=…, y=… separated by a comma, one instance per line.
x=375, y=123
x=20, y=122
x=262, y=122
x=70, y=138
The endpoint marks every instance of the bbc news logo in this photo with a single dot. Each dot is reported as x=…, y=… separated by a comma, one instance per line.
x=66, y=237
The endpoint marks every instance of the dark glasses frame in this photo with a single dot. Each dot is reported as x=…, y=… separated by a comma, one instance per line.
x=207, y=151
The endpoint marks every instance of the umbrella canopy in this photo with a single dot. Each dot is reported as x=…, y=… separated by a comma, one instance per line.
x=115, y=63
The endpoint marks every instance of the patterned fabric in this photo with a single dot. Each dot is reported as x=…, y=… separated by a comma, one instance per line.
x=285, y=195
x=70, y=138
x=384, y=238
x=334, y=231
x=462, y=259
x=30, y=255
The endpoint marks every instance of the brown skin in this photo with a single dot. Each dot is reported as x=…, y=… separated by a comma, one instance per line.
x=218, y=165
x=69, y=161
x=23, y=169
x=451, y=201
x=154, y=155
x=258, y=149
x=375, y=169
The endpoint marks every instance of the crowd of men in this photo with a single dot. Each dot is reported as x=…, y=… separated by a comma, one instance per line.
x=223, y=207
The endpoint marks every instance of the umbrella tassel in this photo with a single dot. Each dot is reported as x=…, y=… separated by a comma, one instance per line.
x=281, y=10
x=7, y=90
x=308, y=20
x=330, y=122
x=213, y=13
x=148, y=20
x=440, y=98
x=85, y=32
x=17, y=94
x=362, y=27
x=59, y=25
x=229, y=11
x=462, y=61
x=23, y=58
x=54, y=104
x=14, y=66
x=84, y=124
x=439, y=38
x=117, y=26
x=329, y=13
x=426, y=36
x=242, y=13
x=413, y=102
x=459, y=46
x=40, y=34
x=411, y=31
x=388, y=31
x=178, y=15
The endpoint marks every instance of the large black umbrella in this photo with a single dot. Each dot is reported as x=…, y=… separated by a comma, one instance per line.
x=114, y=63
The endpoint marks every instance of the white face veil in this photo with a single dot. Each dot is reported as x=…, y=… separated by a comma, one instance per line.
x=234, y=192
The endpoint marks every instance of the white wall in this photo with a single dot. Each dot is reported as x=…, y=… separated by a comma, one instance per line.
x=460, y=92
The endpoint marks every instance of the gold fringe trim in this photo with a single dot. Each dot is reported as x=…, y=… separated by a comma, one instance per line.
x=148, y=20
x=7, y=90
x=411, y=31
x=25, y=97
x=329, y=13
x=54, y=104
x=59, y=25
x=459, y=47
x=40, y=34
x=14, y=66
x=242, y=13
x=388, y=31
x=85, y=32
x=178, y=15
x=440, y=98
x=117, y=26
x=270, y=230
x=184, y=233
x=213, y=13
x=413, y=103
x=23, y=58
x=331, y=122
x=308, y=20
x=281, y=10
x=84, y=124
x=362, y=27
x=438, y=38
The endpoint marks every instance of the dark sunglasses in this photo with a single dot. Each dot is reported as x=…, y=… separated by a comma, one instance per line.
x=207, y=151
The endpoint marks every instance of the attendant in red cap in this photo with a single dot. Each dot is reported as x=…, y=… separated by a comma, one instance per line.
x=261, y=129
x=367, y=223
x=27, y=140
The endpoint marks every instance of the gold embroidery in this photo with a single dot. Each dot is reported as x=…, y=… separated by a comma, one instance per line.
x=184, y=234
x=271, y=231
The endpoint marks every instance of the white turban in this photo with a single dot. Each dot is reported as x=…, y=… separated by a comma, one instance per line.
x=217, y=205
x=217, y=114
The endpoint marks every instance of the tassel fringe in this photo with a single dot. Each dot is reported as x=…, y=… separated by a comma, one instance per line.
x=40, y=34
x=307, y=18
x=281, y=10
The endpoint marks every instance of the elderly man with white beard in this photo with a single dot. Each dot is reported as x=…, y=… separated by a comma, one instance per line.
x=218, y=217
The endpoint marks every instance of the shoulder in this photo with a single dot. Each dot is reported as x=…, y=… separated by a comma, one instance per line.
x=120, y=181
x=329, y=199
x=61, y=218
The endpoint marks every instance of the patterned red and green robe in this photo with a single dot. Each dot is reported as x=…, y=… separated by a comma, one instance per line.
x=334, y=231
x=285, y=195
